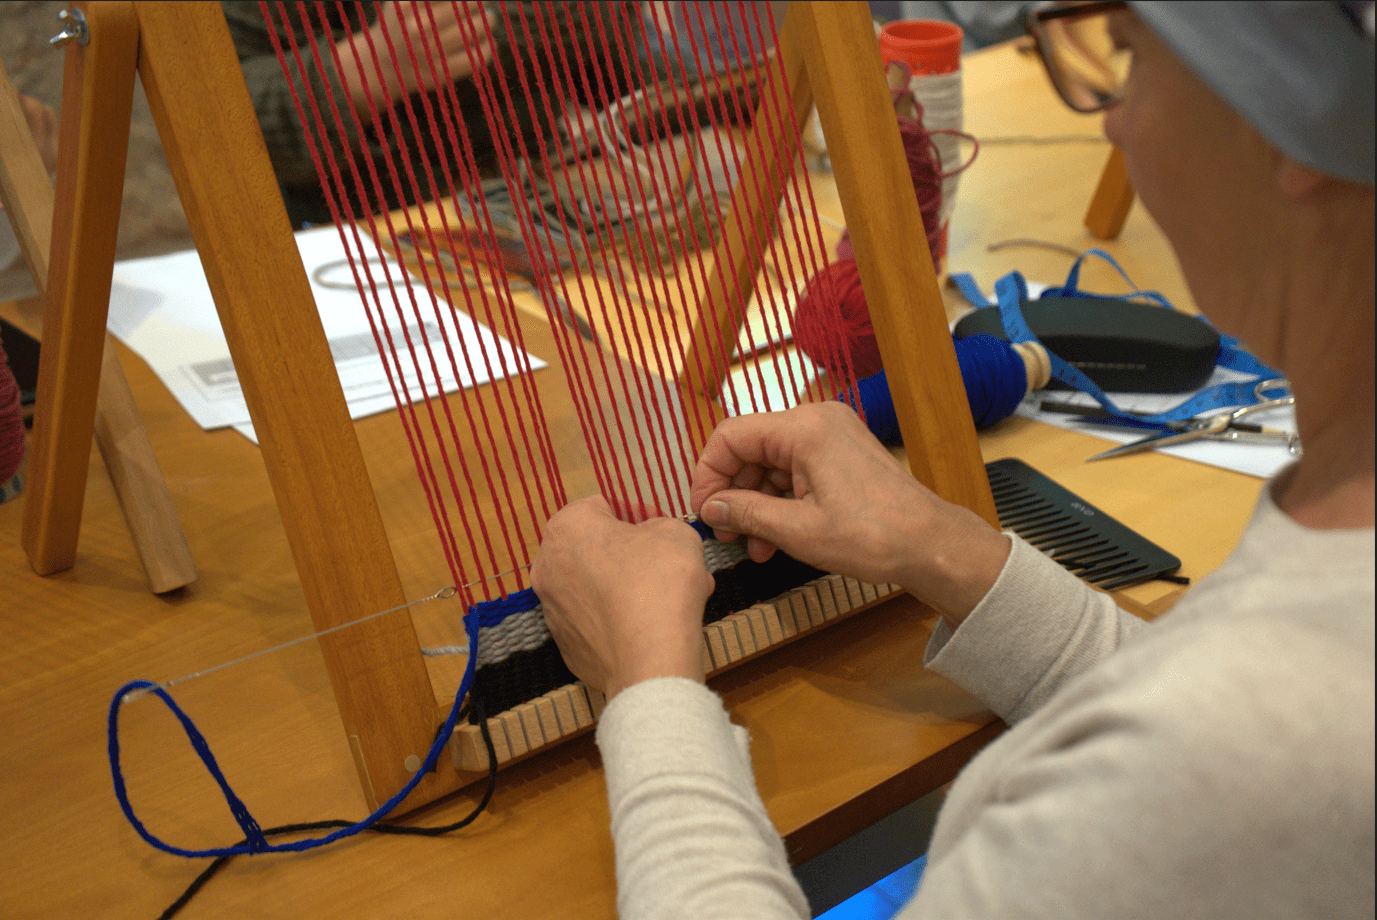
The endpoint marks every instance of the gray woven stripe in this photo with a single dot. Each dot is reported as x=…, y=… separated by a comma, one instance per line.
x=719, y=555
x=526, y=630
x=517, y=633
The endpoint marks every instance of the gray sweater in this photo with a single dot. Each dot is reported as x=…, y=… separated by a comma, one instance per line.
x=1217, y=763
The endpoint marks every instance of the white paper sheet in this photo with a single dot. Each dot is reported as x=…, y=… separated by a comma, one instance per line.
x=162, y=309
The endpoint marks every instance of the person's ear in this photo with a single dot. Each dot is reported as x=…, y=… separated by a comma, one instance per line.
x=1296, y=180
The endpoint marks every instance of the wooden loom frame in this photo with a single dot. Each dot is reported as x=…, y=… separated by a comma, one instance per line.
x=157, y=533
x=183, y=54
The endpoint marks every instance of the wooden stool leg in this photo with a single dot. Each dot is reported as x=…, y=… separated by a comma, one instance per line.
x=1113, y=199
x=97, y=103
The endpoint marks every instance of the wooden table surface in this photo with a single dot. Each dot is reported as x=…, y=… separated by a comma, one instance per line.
x=847, y=726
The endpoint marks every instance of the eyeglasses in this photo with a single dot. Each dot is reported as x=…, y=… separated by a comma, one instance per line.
x=1087, y=66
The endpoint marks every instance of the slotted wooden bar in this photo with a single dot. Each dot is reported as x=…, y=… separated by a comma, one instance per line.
x=846, y=597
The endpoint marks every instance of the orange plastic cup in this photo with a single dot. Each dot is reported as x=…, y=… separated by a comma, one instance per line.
x=928, y=46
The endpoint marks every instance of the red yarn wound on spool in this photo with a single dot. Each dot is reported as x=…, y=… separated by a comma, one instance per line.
x=11, y=422
x=924, y=168
x=832, y=321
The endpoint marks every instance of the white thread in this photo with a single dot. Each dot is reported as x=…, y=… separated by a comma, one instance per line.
x=943, y=109
x=444, y=593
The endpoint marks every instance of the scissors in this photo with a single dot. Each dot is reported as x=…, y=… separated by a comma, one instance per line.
x=1225, y=426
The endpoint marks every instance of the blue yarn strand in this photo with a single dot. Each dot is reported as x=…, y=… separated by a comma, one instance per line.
x=480, y=615
x=253, y=834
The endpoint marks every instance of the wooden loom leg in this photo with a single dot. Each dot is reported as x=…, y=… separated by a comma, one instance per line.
x=886, y=226
x=1113, y=199
x=329, y=511
x=97, y=101
x=750, y=223
x=138, y=480
x=139, y=484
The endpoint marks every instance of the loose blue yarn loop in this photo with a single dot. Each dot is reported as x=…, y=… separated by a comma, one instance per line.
x=253, y=834
x=481, y=615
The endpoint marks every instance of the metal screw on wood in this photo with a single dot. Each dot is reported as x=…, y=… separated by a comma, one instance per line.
x=73, y=27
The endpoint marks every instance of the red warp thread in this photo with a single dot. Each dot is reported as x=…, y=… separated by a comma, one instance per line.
x=11, y=422
x=832, y=323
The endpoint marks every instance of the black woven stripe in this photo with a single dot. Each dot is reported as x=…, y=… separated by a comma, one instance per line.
x=519, y=677
x=525, y=675
x=748, y=583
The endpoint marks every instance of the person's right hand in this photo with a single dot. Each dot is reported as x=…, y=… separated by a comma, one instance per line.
x=451, y=34
x=814, y=482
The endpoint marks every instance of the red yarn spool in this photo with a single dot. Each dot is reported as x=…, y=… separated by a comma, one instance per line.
x=832, y=321
x=11, y=422
x=925, y=171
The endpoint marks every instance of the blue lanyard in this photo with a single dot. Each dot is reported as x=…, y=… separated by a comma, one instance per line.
x=1012, y=290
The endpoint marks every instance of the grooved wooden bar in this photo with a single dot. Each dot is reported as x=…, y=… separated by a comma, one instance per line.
x=569, y=711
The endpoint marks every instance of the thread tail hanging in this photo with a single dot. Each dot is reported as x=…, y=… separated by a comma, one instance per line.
x=255, y=842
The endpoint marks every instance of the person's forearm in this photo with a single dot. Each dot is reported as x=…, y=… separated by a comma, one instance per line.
x=693, y=840
x=358, y=89
x=1037, y=629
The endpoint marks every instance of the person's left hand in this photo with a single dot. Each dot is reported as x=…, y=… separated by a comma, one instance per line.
x=623, y=601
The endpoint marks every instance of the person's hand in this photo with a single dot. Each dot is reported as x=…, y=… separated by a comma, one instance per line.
x=623, y=601
x=814, y=482
x=450, y=34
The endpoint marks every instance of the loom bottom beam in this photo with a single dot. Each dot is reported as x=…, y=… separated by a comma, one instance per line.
x=569, y=711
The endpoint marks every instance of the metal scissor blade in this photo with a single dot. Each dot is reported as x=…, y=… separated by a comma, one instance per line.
x=1151, y=442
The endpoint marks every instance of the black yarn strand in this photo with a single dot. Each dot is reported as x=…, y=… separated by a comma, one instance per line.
x=478, y=716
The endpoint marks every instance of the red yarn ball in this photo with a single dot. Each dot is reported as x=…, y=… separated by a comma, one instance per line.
x=832, y=324
x=11, y=422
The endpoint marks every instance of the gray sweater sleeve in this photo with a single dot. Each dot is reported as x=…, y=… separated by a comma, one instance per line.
x=1038, y=628
x=1217, y=765
x=692, y=837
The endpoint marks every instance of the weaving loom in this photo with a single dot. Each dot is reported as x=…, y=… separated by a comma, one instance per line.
x=639, y=199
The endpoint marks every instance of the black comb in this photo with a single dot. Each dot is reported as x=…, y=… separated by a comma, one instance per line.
x=1073, y=532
